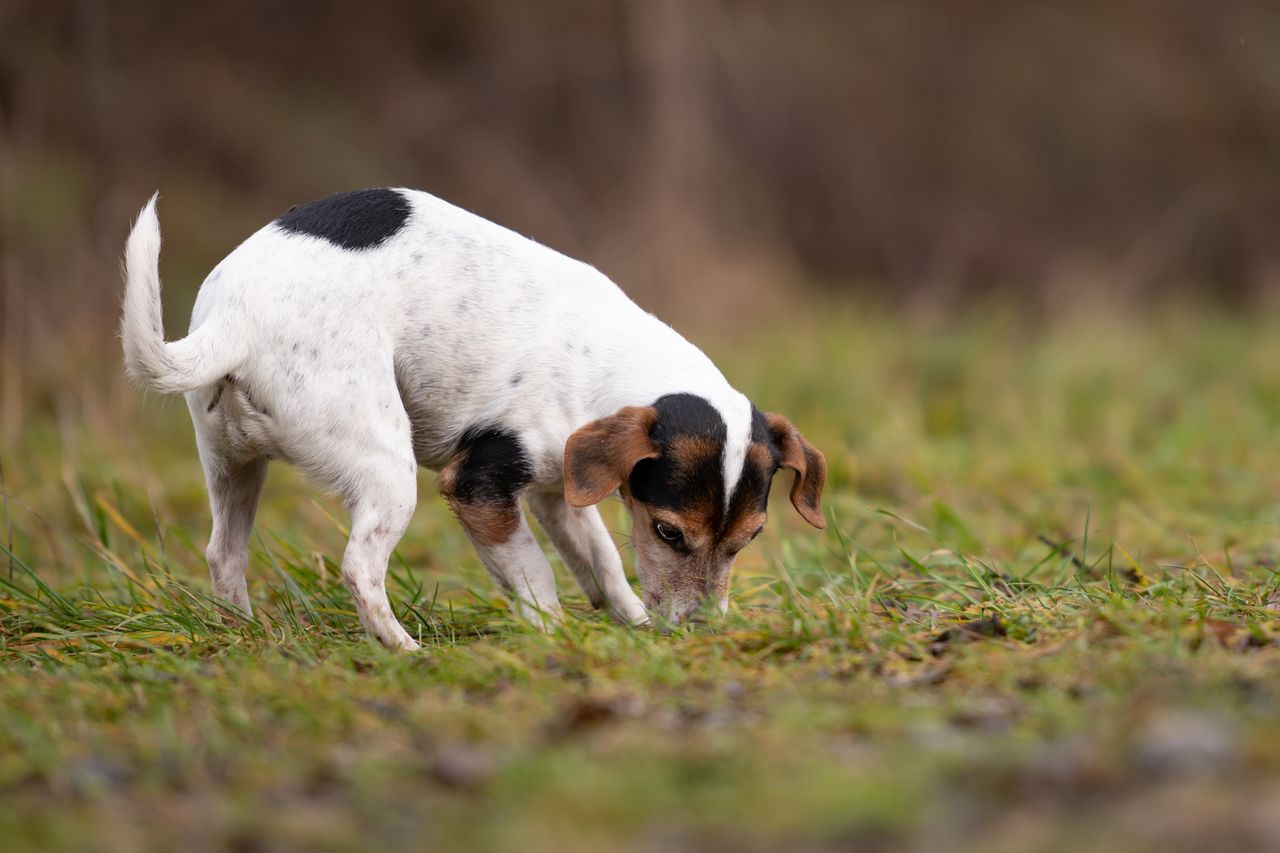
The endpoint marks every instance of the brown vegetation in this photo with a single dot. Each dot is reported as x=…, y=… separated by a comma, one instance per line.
x=696, y=151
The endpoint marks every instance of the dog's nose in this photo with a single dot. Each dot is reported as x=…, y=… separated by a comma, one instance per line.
x=668, y=616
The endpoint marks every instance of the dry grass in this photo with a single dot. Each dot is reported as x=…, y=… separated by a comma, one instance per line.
x=1037, y=621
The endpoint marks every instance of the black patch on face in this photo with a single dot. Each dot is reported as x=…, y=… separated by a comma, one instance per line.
x=686, y=414
x=760, y=429
x=495, y=467
x=361, y=219
x=669, y=482
x=752, y=490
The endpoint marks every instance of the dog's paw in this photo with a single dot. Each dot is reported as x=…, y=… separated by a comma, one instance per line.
x=544, y=619
x=235, y=615
x=408, y=644
x=404, y=644
x=630, y=613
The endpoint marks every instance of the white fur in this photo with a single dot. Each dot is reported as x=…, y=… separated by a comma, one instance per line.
x=520, y=568
x=175, y=367
x=580, y=536
x=357, y=366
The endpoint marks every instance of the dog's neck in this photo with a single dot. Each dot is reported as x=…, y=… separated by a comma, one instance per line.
x=648, y=360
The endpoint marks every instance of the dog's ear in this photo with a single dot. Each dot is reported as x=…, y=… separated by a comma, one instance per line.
x=599, y=456
x=808, y=463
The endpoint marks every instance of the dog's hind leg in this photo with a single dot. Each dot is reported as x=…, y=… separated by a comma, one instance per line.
x=235, y=486
x=366, y=455
x=381, y=506
x=345, y=427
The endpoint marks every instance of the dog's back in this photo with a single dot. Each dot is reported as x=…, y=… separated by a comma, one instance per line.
x=368, y=333
x=476, y=323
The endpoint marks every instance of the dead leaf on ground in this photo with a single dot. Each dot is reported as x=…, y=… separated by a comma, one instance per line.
x=921, y=676
x=588, y=712
x=1230, y=635
x=987, y=627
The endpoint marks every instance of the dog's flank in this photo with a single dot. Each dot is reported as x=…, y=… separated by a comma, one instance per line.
x=366, y=334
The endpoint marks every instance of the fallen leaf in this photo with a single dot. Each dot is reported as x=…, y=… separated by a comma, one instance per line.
x=589, y=712
x=987, y=627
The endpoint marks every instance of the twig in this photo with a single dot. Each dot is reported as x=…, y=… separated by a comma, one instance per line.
x=1062, y=550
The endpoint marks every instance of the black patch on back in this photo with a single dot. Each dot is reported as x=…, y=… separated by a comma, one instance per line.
x=495, y=469
x=361, y=219
x=662, y=482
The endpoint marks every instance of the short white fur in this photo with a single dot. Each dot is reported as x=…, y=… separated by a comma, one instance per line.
x=358, y=366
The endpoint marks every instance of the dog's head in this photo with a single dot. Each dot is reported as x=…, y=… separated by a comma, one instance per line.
x=669, y=463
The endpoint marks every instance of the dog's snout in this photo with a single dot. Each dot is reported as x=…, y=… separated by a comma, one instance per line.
x=666, y=616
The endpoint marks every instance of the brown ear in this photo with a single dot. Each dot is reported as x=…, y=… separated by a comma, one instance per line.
x=600, y=455
x=808, y=463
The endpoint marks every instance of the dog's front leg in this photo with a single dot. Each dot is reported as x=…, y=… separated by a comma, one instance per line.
x=583, y=541
x=485, y=497
x=521, y=569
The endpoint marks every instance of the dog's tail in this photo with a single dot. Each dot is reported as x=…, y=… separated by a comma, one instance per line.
x=177, y=366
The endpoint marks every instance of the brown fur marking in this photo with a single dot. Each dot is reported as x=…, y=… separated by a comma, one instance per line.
x=693, y=523
x=692, y=452
x=701, y=520
x=742, y=528
x=760, y=457
x=699, y=517
x=808, y=463
x=694, y=456
x=448, y=475
x=487, y=523
x=598, y=457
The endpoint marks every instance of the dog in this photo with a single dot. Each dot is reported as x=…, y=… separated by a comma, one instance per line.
x=366, y=334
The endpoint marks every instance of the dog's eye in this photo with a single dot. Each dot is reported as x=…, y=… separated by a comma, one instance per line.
x=669, y=533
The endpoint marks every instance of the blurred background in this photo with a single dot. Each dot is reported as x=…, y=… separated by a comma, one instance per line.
x=1011, y=265
x=723, y=161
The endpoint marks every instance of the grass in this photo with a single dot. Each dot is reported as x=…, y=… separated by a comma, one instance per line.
x=1039, y=620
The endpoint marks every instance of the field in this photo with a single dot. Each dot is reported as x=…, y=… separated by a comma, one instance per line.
x=1039, y=619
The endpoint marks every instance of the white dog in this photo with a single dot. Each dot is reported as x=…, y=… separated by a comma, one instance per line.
x=371, y=332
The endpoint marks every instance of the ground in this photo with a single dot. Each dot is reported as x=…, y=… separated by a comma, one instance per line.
x=1038, y=620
